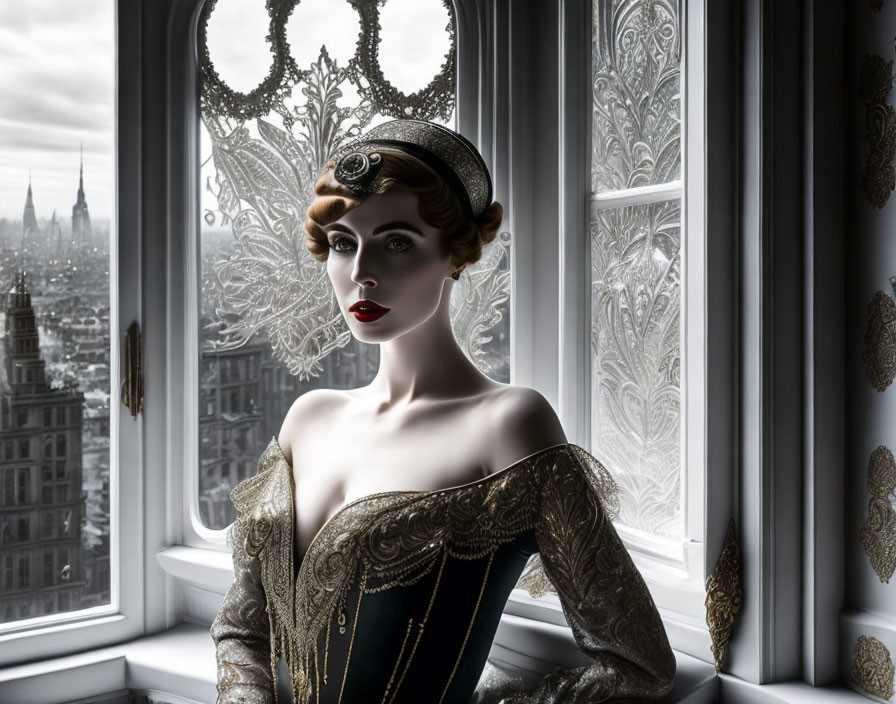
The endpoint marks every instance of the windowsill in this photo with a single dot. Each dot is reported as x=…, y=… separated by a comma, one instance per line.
x=180, y=664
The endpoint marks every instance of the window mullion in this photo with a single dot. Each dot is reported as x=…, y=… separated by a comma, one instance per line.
x=642, y=195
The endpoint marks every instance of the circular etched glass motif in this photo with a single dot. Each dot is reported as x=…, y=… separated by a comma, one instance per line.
x=355, y=167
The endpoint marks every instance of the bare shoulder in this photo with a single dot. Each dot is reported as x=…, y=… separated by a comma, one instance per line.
x=305, y=410
x=525, y=423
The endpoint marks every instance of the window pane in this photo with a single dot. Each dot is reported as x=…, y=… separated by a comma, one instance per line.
x=636, y=360
x=57, y=176
x=636, y=98
x=270, y=327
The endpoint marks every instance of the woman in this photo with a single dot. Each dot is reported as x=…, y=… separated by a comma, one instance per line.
x=377, y=544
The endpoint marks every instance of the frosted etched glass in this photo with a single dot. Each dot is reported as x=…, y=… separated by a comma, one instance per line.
x=636, y=360
x=636, y=101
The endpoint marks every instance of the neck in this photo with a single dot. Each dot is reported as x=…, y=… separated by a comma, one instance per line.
x=426, y=363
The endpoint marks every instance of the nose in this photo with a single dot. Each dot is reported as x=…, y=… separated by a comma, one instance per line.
x=361, y=274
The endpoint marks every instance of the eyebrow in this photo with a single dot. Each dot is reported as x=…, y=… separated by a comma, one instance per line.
x=397, y=225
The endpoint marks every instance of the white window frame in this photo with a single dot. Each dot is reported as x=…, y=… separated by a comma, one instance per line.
x=123, y=618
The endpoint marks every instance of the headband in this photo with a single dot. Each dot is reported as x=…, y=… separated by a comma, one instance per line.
x=448, y=153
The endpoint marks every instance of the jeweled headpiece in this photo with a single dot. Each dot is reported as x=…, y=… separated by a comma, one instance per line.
x=448, y=153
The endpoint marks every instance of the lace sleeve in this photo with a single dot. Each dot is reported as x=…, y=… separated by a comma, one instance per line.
x=241, y=631
x=606, y=602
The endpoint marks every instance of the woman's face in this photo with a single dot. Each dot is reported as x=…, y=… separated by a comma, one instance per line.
x=384, y=245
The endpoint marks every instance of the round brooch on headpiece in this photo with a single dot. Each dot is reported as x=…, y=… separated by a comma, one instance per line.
x=451, y=155
x=357, y=169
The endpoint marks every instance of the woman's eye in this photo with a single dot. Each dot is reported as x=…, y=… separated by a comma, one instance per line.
x=341, y=244
x=400, y=244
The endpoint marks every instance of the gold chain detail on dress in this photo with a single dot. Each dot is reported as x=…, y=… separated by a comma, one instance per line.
x=463, y=646
x=351, y=643
x=398, y=659
x=724, y=594
x=422, y=625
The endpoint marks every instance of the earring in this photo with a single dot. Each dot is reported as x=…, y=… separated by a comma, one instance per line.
x=456, y=274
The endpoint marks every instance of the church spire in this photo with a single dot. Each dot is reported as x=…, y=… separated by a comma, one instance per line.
x=81, y=180
x=81, y=231
x=29, y=219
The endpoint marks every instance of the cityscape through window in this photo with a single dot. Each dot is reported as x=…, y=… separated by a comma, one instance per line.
x=57, y=73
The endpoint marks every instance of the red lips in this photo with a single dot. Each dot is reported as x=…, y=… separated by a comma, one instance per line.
x=367, y=311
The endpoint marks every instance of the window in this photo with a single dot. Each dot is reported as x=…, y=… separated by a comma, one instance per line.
x=636, y=259
x=58, y=226
x=23, y=493
x=49, y=525
x=23, y=572
x=48, y=568
x=8, y=572
x=24, y=532
x=9, y=487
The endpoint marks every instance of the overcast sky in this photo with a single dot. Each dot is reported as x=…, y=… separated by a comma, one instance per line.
x=57, y=74
x=57, y=68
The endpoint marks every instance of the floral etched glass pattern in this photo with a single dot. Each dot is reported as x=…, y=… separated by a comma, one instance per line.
x=636, y=360
x=270, y=325
x=636, y=105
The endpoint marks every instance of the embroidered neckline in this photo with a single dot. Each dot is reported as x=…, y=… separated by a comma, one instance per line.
x=418, y=493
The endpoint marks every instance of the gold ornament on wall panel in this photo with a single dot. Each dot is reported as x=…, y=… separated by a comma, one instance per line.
x=880, y=341
x=724, y=593
x=872, y=667
x=879, y=177
x=879, y=532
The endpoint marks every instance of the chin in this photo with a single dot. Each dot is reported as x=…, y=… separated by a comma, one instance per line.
x=371, y=333
x=382, y=330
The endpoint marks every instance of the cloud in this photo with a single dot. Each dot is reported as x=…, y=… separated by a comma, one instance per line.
x=57, y=91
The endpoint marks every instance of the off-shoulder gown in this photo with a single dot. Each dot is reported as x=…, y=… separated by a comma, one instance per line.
x=399, y=595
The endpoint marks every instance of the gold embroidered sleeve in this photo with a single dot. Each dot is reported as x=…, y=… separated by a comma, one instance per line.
x=241, y=631
x=606, y=602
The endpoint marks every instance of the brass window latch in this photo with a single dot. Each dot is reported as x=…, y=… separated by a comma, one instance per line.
x=132, y=372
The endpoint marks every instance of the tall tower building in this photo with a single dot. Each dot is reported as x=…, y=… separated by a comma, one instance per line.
x=29, y=219
x=41, y=500
x=81, y=231
x=53, y=233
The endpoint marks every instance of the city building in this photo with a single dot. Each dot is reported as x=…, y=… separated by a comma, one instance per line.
x=41, y=501
x=29, y=219
x=81, y=231
x=53, y=233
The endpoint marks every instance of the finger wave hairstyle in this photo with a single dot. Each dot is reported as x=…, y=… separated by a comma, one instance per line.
x=461, y=238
